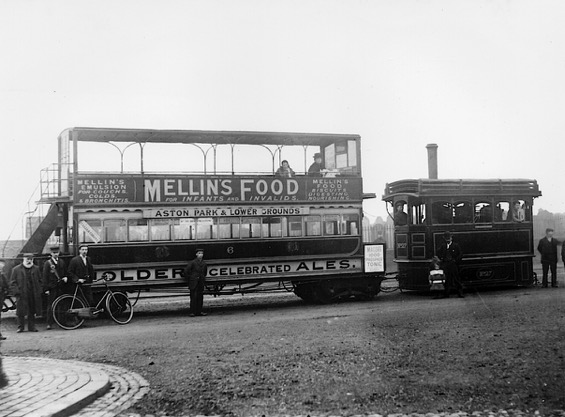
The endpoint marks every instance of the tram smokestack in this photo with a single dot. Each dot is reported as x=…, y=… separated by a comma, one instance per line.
x=432, y=161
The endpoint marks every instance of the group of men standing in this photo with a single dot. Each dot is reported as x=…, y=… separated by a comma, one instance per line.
x=28, y=284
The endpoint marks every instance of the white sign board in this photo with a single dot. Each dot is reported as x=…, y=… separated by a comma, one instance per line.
x=374, y=258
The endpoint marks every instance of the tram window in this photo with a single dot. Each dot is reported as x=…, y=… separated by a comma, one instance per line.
x=400, y=214
x=294, y=226
x=272, y=227
x=160, y=229
x=350, y=224
x=205, y=228
x=520, y=211
x=502, y=211
x=250, y=227
x=442, y=212
x=463, y=212
x=228, y=228
x=183, y=229
x=331, y=224
x=483, y=212
x=114, y=230
x=138, y=230
x=89, y=231
x=313, y=225
x=418, y=213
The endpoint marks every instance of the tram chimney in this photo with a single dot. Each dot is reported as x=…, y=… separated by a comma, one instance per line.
x=432, y=161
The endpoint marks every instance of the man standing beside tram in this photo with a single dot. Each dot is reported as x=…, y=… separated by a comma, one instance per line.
x=195, y=272
x=450, y=255
x=81, y=271
x=55, y=281
x=547, y=247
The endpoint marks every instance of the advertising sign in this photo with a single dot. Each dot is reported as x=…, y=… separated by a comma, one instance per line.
x=233, y=272
x=111, y=190
x=374, y=258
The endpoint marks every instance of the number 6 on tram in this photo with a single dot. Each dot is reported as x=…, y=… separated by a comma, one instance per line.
x=490, y=219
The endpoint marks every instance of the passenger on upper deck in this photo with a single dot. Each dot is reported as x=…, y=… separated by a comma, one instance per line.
x=285, y=170
x=400, y=217
x=317, y=167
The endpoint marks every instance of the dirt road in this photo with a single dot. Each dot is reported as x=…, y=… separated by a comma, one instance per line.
x=275, y=355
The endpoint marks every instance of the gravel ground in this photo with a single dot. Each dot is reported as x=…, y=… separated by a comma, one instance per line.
x=496, y=353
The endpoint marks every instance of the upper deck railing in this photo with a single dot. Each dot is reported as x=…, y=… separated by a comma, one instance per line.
x=462, y=187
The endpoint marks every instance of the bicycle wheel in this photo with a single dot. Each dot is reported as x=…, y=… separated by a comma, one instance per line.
x=119, y=307
x=65, y=319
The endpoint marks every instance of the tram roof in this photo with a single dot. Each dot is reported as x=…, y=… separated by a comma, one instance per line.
x=90, y=134
x=462, y=187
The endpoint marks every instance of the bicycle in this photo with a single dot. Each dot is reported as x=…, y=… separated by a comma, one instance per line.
x=70, y=311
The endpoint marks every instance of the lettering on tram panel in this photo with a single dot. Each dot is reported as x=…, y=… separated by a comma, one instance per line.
x=329, y=189
x=104, y=190
x=111, y=190
x=200, y=190
x=294, y=268
x=181, y=212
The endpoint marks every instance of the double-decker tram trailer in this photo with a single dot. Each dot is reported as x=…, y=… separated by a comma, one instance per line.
x=490, y=219
x=256, y=226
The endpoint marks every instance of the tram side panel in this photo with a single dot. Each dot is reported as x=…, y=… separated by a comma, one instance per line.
x=490, y=257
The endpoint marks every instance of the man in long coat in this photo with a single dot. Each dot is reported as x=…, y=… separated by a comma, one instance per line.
x=55, y=281
x=195, y=272
x=26, y=286
x=547, y=247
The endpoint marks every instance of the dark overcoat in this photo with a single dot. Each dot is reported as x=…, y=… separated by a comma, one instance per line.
x=22, y=288
x=195, y=272
x=78, y=270
x=52, y=273
x=548, y=250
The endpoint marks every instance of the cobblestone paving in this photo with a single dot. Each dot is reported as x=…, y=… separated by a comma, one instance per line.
x=45, y=387
x=126, y=389
x=42, y=387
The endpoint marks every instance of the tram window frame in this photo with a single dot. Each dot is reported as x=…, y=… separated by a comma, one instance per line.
x=205, y=228
x=447, y=206
x=295, y=220
x=119, y=232
x=350, y=222
x=232, y=224
x=158, y=228
x=313, y=225
x=504, y=207
x=486, y=216
x=401, y=218
x=270, y=231
x=417, y=213
x=525, y=207
x=251, y=225
x=332, y=224
x=96, y=225
x=138, y=230
x=189, y=225
x=462, y=206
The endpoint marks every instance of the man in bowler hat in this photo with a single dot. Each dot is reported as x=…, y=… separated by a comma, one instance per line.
x=55, y=281
x=195, y=272
x=450, y=255
x=317, y=167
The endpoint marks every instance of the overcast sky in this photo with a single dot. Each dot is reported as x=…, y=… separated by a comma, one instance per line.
x=485, y=80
